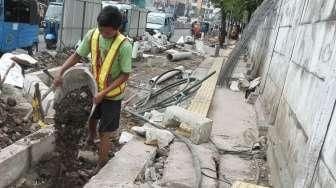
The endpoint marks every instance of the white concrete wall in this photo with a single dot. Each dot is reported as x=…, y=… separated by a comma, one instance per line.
x=297, y=65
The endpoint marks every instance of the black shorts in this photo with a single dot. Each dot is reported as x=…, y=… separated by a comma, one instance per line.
x=108, y=114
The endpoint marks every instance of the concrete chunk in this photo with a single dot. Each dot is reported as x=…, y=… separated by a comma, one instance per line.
x=124, y=168
x=159, y=137
x=199, y=127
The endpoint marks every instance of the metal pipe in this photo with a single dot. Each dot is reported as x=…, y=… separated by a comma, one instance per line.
x=179, y=56
x=165, y=76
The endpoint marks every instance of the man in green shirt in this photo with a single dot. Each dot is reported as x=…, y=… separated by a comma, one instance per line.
x=112, y=54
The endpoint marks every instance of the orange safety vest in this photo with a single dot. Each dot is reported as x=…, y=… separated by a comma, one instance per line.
x=101, y=71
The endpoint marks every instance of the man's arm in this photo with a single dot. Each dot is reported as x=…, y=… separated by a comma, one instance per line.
x=82, y=51
x=71, y=61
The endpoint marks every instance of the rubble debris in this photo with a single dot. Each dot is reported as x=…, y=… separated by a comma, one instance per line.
x=125, y=137
x=234, y=86
x=153, y=172
x=11, y=101
x=135, y=50
x=158, y=137
x=141, y=131
x=11, y=73
x=63, y=168
x=12, y=126
x=252, y=98
x=180, y=40
x=89, y=156
x=244, y=83
x=254, y=83
x=198, y=127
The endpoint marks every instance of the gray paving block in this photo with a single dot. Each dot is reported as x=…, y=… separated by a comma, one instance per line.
x=123, y=169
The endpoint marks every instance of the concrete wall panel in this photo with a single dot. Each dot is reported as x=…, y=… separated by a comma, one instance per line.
x=315, y=48
x=292, y=138
x=291, y=12
x=323, y=178
x=297, y=73
x=278, y=69
x=302, y=92
x=286, y=40
x=329, y=149
x=271, y=96
x=319, y=10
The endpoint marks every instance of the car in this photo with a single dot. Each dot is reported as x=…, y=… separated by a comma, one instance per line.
x=161, y=22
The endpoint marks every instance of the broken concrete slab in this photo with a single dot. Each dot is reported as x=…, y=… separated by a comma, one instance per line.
x=125, y=137
x=199, y=127
x=179, y=170
x=208, y=155
x=241, y=170
x=123, y=169
x=159, y=137
x=18, y=157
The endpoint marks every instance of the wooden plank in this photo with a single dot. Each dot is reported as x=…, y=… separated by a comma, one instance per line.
x=239, y=184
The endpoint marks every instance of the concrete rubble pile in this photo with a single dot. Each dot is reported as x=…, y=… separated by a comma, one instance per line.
x=157, y=43
x=243, y=79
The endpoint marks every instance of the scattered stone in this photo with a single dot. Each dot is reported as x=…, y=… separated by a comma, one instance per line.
x=244, y=83
x=158, y=137
x=89, y=156
x=34, y=126
x=234, y=86
x=18, y=121
x=11, y=102
x=125, y=137
x=252, y=98
x=254, y=83
x=139, y=130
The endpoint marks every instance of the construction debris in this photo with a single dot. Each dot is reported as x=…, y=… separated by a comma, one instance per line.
x=12, y=126
x=199, y=128
x=234, y=86
x=125, y=137
x=158, y=137
x=63, y=168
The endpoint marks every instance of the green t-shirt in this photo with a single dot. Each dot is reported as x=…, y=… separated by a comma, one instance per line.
x=122, y=62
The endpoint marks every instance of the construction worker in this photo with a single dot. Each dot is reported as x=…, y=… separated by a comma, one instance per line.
x=111, y=66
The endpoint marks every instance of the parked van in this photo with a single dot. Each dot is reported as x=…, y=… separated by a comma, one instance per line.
x=162, y=22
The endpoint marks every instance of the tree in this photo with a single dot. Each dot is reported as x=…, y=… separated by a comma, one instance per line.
x=235, y=9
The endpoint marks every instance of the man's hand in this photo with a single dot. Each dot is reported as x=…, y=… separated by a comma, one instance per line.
x=99, y=98
x=58, y=80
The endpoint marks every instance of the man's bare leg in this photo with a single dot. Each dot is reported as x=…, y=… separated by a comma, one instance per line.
x=104, y=148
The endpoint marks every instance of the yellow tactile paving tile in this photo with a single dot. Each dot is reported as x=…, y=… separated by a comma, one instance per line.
x=201, y=102
x=203, y=98
x=239, y=184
